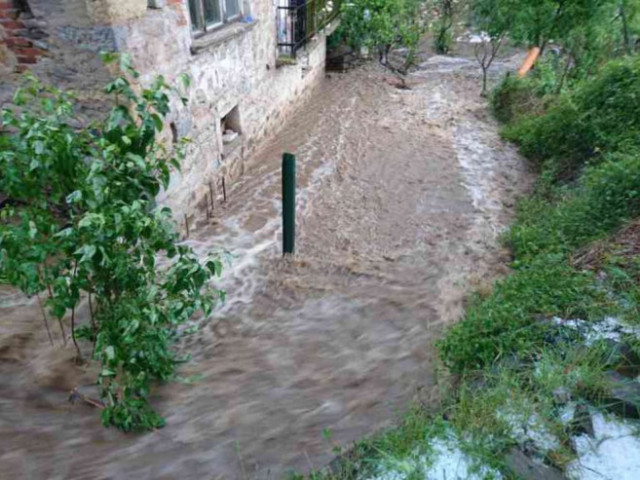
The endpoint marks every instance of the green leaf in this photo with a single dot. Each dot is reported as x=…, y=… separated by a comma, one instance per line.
x=110, y=352
x=74, y=197
x=185, y=78
x=38, y=147
x=87, y=252
x=33, y=230
x=157, y=120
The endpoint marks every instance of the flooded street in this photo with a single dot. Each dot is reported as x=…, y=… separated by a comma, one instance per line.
x=402, y=195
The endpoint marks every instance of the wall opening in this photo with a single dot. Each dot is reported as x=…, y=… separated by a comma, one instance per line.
x=231, y=131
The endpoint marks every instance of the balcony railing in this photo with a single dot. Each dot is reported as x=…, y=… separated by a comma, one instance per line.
x=299, y=20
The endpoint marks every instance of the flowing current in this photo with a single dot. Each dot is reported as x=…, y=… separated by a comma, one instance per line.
x=401, y=196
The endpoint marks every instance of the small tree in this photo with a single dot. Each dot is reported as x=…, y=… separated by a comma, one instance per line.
x=79, y=218
x=381, y=25
x=444, y=37
x=485, y=53
x=493, y=18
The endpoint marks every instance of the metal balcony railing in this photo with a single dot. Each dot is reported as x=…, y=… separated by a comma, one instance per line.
x=299, y=20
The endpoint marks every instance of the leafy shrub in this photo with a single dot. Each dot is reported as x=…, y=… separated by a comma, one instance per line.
x=606, y=196
x=601, y=114
x=444, y=25
x=80, y=219
x=512, y=97
x=516, y=97
x=381, y=25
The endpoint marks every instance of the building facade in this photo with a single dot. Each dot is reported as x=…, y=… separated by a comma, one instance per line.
x=242, y=87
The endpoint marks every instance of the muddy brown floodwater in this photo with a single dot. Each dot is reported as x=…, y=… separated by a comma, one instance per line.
x=402, y=194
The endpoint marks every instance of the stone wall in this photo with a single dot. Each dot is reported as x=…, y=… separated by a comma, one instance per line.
x=63, y=42
x=233, y=69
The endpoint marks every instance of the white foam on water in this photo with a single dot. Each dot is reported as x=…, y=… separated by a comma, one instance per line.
x=474, y=38
x=242, y=275
x=479, y=160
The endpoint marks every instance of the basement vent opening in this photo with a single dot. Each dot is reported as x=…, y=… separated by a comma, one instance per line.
x=231, y=131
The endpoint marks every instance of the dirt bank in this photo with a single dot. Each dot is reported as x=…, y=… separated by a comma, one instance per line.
x=402, y=195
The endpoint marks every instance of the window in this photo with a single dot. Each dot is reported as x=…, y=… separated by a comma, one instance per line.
x=208, y=14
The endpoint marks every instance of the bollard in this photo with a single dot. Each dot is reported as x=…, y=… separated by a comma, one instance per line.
x=224, y=191
x=288, y=203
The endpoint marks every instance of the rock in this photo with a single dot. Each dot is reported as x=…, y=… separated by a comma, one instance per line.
x=623, y=358
x=526, y=468
x=229, y=136
x=581, y=424
x=561, y=395
x=624, y=396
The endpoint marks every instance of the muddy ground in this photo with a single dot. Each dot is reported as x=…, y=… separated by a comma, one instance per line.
x=402, y=196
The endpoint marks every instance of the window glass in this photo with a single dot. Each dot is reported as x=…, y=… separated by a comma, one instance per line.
x=233, y=8
x=194, y=13
x=211, y=11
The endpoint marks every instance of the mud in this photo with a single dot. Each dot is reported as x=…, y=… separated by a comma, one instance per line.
x=402, y=195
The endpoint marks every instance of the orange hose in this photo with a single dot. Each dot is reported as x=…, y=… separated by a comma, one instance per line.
x=528, y=63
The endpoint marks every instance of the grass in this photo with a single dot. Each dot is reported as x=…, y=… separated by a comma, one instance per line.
x=486, y=413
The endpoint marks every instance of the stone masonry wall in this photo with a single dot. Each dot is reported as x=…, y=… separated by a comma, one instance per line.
x=233, y=67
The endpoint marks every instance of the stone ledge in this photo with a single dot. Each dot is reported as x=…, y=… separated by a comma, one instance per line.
x=221, y=35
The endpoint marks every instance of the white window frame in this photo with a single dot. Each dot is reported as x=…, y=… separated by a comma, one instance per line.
x=202, y=27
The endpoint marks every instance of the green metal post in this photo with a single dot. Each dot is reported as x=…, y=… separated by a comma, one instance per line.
x=288, y=203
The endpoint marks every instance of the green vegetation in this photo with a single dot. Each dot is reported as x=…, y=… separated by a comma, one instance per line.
x=576, y=117
x=79, y=222
x=597, y=117
x=381, y=25
x=444, y=25
x=585, y=143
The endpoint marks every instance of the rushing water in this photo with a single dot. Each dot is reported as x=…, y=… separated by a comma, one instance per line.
x=401, y=196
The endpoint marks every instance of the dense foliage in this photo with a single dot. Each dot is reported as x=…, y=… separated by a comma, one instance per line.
x=381, y=25
x=581, y=35
x=601, y=115
x=79, y=220
x=443, y=33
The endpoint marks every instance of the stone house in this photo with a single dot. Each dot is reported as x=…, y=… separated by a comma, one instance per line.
x=250, y=62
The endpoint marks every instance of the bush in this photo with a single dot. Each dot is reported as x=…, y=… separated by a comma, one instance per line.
x=381, y=25
x=80, y=220
x=607, y=195
x=512, y=97
x=515, y=98
x=601, y=114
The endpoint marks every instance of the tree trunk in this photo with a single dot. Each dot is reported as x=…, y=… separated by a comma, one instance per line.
x=625, y=28
x=484, y=82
